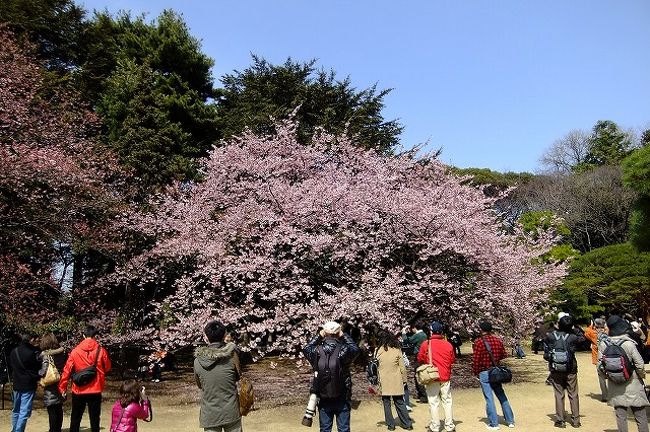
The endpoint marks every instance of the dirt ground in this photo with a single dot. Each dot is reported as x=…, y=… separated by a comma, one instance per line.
x=531, y=400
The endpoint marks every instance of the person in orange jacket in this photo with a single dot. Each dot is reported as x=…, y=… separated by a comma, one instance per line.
x=84, y=355
x=596, y=333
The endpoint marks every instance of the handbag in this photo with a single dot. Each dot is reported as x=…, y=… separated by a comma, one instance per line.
x=86, y=375
x=52, y=375
x=246, y=393
x=496, y=374
x=427, y=373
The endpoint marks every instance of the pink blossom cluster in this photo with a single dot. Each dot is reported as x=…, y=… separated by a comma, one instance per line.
x=281, y=237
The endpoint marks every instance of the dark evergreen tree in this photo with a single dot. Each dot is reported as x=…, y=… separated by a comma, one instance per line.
x=264, y=91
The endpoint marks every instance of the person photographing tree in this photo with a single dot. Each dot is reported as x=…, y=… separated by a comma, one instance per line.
x=330, y=353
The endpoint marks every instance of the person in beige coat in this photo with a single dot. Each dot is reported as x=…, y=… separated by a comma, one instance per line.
x=630, y=394
x=392, y=376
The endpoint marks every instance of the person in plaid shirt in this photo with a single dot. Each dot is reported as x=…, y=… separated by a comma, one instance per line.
x=480, y=365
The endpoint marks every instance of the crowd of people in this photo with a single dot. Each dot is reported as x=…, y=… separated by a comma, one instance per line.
x=618, y=352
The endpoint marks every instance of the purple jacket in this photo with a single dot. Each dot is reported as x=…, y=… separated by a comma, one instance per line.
x=129, y=419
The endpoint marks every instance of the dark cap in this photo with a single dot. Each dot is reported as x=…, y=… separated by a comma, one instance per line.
x=436, y=327
x=486, y=326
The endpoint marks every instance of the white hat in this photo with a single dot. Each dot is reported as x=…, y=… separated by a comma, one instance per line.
x=562, y=315
x=332, y=327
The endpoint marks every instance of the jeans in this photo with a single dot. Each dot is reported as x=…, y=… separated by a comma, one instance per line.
x=490, y=408
x=230, y=427
x=440, y=392
x=407, y=396
x=79, y=401
x=327, y=409
x=400, y=407
x=55, y=415
x=21, y=410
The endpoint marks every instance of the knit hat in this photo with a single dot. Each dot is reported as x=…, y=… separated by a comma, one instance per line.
x=332, y=327
x=617, y=326
x=561, y=315
x=436, y=327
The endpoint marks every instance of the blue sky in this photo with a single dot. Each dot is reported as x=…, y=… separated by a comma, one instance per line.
x=493, y=83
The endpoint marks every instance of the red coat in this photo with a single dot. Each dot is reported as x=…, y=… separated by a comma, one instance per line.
x=128, y=421
x=442, y=355
x=82, y=356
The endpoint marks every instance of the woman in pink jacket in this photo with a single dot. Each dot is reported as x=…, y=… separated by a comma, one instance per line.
x=132, y=405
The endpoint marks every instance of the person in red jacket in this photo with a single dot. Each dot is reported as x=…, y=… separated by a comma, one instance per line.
x=442, y=357
x=482, y=361
x=82, y=356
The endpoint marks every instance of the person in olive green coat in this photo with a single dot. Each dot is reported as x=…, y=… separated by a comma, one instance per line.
x=392, y=376
x=216, y=368
x=630, y=394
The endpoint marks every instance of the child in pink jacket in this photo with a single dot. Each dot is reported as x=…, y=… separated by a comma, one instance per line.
x=132, y=405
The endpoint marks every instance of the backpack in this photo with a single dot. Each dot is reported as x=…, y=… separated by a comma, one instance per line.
x=372, y=370
x=560, y=357
x=614, y=363
x=331, y=378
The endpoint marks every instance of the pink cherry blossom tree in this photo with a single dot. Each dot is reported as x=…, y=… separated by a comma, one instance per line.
x=280, y=237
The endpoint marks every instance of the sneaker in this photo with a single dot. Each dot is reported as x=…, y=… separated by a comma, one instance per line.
x=408, y=408
x=559, y=424
x=488, y=427
x=576, y=423
x=511, y=425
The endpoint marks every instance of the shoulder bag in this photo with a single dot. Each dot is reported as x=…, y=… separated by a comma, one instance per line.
x=427, y=373
x=52, y=375
x=496, y=374
x=86, y=375
x=246, y=392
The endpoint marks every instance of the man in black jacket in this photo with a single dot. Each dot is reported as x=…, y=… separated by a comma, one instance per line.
x=331, y=352
x=24, y=363
x=559, y=350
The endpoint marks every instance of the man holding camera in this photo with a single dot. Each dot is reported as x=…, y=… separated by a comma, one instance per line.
x=331, y=352
x=86, y=391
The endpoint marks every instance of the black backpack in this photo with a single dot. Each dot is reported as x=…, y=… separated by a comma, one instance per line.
x=560, y=357
x=614, y=363
x=330, y=374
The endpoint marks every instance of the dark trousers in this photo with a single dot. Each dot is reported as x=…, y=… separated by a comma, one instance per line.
x=566, y=381
x=55, y=415
x=330, y=408
x=639, y=416
x=79, y=402
x=400, y=407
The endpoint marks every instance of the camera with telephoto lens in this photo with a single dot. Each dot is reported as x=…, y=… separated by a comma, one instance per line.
x=312, y=403
x=310, y=412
